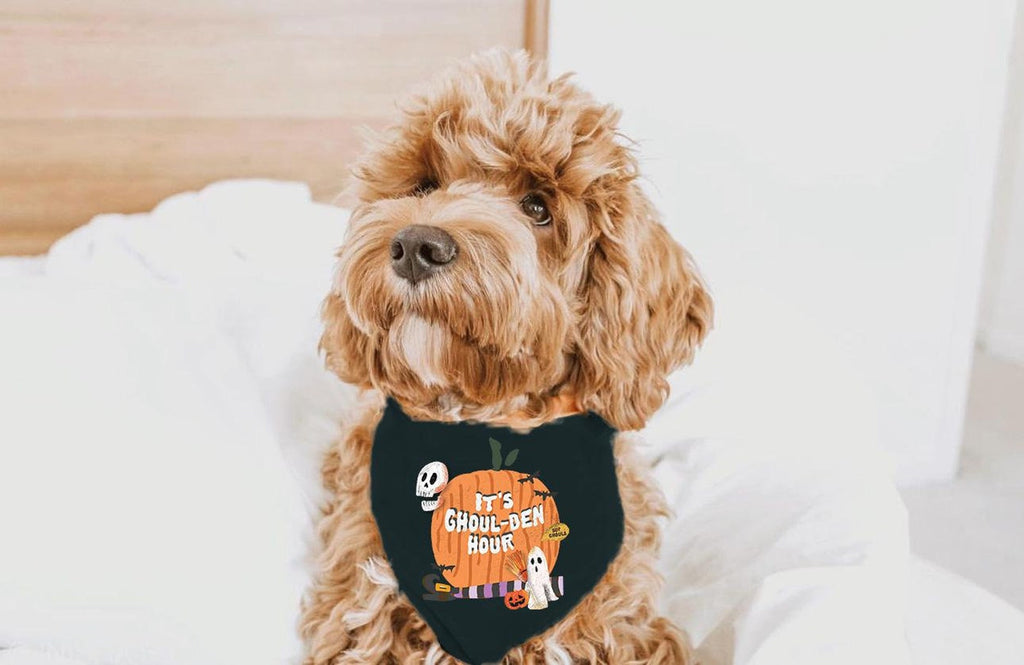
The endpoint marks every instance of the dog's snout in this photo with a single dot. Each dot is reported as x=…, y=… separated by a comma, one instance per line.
x=419, y=251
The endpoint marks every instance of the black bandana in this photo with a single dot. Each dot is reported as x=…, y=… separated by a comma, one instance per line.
x=495, y=535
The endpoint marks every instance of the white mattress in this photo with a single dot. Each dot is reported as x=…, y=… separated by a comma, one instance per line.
x=158, y=460
x=952, y=621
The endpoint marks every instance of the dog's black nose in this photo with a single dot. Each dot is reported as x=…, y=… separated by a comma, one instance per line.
x=418, y=251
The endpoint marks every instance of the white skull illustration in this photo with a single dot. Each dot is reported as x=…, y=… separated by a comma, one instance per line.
x=431, y=481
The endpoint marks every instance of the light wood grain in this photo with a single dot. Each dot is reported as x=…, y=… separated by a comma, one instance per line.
x=112, y=105
x=230, y=59
x=535, y=35
x=59, y=173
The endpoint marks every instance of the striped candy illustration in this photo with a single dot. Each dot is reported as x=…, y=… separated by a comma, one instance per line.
x=499, y=589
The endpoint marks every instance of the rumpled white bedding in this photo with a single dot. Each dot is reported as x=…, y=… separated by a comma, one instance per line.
x=164, y=409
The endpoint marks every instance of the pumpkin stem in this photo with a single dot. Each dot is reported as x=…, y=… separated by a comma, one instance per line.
x=495, y=454
x=496, y=463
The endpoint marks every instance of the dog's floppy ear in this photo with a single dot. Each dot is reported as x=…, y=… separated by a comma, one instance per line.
x=344, y=346
x=645, y=311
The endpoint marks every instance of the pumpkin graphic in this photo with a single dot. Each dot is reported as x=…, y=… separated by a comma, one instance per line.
x=517, y=599
x=517, y=520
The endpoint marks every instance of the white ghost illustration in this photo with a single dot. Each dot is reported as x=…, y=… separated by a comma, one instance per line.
x=538, y=580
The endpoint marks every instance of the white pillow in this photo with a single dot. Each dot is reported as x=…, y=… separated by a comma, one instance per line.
x=788, y=545
x=164, y=414
x=146, y=513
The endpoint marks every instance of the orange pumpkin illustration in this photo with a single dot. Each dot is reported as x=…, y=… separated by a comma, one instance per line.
x=476, y=537
x=517, y=599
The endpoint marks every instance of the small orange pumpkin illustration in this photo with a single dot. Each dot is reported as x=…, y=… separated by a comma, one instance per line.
x=515, y=600
x=476, y=538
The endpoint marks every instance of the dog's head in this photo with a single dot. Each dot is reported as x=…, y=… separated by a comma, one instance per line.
x=502, y=257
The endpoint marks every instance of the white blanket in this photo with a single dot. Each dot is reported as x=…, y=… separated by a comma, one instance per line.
x=164, y=409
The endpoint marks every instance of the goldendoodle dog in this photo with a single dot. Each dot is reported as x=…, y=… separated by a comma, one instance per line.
x=502, y=266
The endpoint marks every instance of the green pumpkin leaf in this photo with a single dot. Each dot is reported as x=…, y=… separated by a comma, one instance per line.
x=511, y=459
x=495, y=454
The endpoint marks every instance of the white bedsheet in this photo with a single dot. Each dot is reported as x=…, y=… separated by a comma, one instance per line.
x=164, y=411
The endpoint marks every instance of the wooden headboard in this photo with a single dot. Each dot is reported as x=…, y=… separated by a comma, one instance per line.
x=112, y=105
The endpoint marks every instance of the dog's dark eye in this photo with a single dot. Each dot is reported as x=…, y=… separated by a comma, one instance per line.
x=535, y=208
x=424, y=187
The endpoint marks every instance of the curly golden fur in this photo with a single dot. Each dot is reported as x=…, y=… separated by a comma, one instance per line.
x=591, y=311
